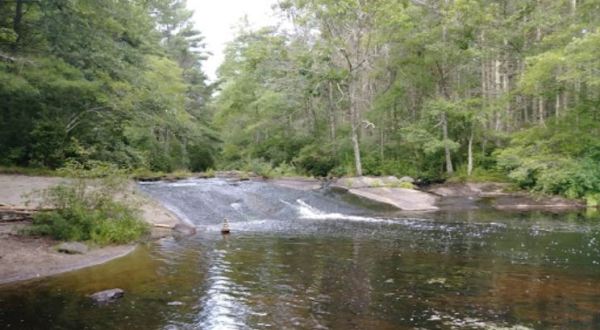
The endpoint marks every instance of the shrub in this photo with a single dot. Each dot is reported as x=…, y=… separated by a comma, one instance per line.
x=315, y=160
x=284, y=169
x=87, y=210
x=479, y=175
x=558, y=159
x=593, y=200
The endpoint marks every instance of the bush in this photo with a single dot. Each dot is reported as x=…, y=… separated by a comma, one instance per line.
x=111, y=223
x=315, y=160
x=479, y=175
x=593, y=200
x=284, y=169
x=260, y=167
x=86, y=209
x=558, y=159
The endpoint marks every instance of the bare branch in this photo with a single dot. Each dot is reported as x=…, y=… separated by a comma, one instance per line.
x=76, y=119
x=7, y=58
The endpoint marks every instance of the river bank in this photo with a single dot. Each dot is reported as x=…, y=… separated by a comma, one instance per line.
x=24, y=257
x=403, y=195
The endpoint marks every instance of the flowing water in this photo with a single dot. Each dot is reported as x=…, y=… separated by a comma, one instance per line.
x=324, y=260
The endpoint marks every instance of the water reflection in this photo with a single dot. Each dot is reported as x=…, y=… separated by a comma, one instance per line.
x=223, y=305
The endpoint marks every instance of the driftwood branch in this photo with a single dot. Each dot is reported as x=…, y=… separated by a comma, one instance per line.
x=7, y=58
x=13, y=214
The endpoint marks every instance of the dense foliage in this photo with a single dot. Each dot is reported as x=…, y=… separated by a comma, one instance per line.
x=432, y=89
x=116, y=81
x=435, y=89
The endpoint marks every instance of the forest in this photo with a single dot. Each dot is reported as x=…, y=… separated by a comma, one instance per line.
x=434, y=89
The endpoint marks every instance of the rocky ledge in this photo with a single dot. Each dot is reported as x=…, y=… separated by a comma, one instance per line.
x=389, y=190
x=502, y=198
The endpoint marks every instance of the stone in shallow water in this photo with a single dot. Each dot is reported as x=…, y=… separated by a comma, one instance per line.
x=72, y=248
x=184, y=229
x=107, y=295
x=437, y=280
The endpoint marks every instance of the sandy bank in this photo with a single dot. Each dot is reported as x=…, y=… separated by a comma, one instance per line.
x=23, y=257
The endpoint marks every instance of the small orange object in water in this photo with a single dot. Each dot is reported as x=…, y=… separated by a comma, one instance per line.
x=225, y=228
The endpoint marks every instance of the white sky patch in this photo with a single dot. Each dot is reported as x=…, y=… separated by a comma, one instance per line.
x=218, y=21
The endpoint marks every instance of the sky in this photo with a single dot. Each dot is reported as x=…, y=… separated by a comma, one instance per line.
x=216, y=19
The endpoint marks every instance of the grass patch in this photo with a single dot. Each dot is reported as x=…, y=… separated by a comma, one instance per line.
x=403, y=184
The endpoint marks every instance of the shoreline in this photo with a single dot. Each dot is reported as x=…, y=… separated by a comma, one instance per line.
x=387, y=190
x=92, y=258
x=25, y=258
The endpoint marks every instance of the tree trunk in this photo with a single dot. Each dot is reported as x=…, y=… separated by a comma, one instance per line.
x=506, y=90
x=381, y=141
x=484, y=85
x=497, y=94
x=356, y=148
x=470, y=155
x=17, y=21
x=449, y=167
x=354, y=136
x=331, y=114
x=557, y=106
x=541, y=111
x=540, y=100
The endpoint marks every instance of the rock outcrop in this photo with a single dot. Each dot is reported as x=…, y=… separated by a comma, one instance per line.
x=470, y=189
x=72, y=248
x=389, y=190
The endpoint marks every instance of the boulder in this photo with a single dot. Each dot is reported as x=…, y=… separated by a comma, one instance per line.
x=184, y=230
x=107, y=295
x=407, y=179
x=72, y=248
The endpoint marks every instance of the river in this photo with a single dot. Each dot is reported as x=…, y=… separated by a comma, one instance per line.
x=324, y=260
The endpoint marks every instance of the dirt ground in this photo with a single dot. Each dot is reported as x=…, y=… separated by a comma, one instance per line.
x=23, y=257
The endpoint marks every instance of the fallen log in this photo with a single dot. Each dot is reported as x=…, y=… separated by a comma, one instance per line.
x=13, y=219
x=162, y=225
x=7, y=208
x=14, y=214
